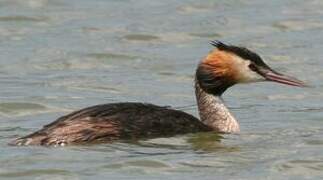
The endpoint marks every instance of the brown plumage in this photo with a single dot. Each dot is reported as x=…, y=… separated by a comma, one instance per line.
x=109, y=122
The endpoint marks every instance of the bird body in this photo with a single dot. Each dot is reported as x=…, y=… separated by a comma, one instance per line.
x=223, y=67
x=110, y=122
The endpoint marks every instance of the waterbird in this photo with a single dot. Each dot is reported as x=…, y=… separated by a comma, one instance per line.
x=224, y=66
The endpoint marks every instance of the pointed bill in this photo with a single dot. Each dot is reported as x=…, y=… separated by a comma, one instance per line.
x=283, y=79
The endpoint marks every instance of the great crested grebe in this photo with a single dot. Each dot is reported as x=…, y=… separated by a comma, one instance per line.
x=223, y=67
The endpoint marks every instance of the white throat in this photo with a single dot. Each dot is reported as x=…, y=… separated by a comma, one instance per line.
x=214, y=113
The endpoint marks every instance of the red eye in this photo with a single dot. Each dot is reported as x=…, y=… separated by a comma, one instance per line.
x=253, y=67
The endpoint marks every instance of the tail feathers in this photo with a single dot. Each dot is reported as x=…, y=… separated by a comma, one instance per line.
x=28, y=140
x=20, y=142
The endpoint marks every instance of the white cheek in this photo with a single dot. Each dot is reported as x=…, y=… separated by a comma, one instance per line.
x=245, y=74
x=252, y=76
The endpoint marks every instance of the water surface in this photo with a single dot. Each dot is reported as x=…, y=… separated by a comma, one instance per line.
x=59, y=56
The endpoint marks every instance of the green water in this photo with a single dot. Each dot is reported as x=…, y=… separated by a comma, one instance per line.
x=59, y=56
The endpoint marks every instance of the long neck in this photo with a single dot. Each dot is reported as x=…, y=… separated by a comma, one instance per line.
x=214, y=113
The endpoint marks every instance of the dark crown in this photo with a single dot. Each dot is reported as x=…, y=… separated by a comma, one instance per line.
x=242, y=52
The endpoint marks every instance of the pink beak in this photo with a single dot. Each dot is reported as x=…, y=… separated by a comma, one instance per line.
x=280, y=78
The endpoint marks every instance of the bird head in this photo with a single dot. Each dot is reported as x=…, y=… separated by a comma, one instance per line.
x=227, y=65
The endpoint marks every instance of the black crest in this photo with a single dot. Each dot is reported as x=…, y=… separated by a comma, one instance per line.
x=243, y=52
